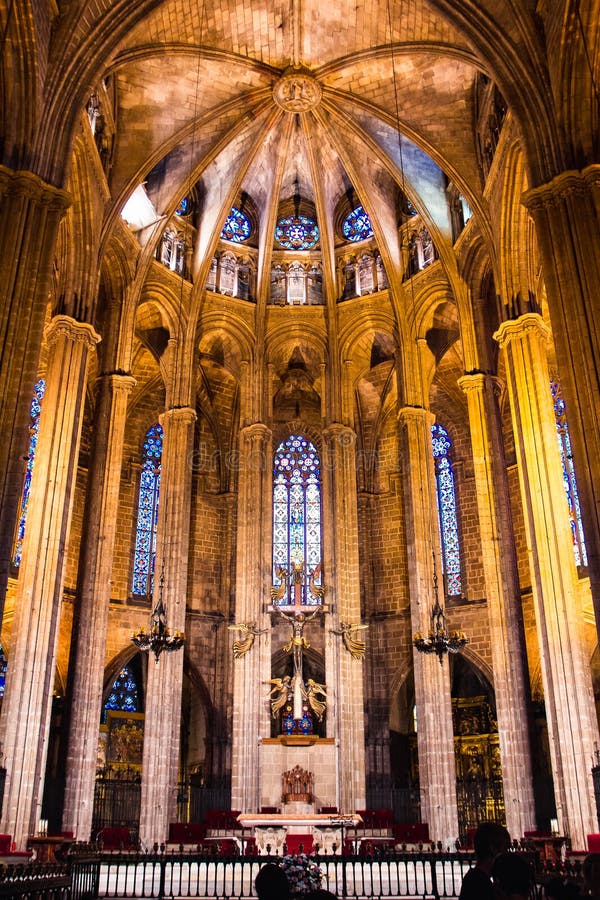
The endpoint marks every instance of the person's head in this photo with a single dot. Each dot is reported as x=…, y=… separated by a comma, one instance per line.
x=271, y=883
x=513, y=876
x=591, y=874
x=490, y=840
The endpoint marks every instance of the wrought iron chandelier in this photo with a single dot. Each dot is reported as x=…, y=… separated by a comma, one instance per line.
x=439, y=640
x=159, y=638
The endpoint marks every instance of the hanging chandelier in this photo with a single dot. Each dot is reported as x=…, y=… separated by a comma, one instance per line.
x=439, y=640
x=159, y=638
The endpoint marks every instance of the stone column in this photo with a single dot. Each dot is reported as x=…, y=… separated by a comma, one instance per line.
x=165, y=678
x=250, y=707
x=435, y=737
x=509, y=658
x=31, y=213
x=30, y=679
x=88, y=640
x=570, y=710
x=345, y=714
x=566, y=213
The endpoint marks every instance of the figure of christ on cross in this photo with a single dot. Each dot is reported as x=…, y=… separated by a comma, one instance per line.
x=297, y=617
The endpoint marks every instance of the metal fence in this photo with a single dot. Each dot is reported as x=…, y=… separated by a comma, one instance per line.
x=428, y=876
x=166, y=875
x=31, y=882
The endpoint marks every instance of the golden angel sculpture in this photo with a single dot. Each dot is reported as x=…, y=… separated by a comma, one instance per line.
x=317, y=698
x=244, y=644
x=279, y=694
x=353, y=644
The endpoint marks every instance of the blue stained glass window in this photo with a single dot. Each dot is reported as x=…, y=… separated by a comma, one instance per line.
x=447, y=518
x=3, y=665
x=34, y=424
x=123, y=695
x=237, y=227
x=147, y=520
x=569, y=480
x=297, y=516
x=297, y=233
x=184, y=207
x=357, y=225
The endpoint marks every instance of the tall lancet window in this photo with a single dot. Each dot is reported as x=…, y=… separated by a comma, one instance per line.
x=569, y=480
x=296, y=520
x=447, y=518
x=147, y=519
x=34, y=424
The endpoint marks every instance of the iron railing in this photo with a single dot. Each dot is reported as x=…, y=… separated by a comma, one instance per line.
x=428, y=876
x=87, y=876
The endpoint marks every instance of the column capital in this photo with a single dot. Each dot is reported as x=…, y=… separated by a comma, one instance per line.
x=340, y=434
x=517, y=328
x=120, y=382
x=31, y=186
x=72, y=330
x=476, y=381
x=258, y=430
x=555, y=192
x=415, y=414
x=186, y=415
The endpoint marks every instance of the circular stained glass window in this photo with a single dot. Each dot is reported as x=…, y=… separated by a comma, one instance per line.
x=297, y=233
x=357, y=225
x=237, y=227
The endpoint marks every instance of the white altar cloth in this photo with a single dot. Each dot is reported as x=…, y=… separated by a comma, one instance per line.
x=271, y=828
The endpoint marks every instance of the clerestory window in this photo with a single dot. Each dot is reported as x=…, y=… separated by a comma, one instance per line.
x=297, y=518
x=147, y=516
x=447, y=511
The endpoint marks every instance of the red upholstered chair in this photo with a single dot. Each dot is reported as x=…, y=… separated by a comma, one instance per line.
x=593, y=842
x=186, y=832
x=114, y=838
x=293, y=842
x=5, y=843
x=411, y=833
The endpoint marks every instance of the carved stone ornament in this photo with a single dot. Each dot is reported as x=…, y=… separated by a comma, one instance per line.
x=297, y=91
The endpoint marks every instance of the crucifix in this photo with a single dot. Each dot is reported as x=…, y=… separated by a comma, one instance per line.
x=297, y=617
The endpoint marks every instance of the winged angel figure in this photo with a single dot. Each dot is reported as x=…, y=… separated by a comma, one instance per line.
x=248, y=631
x=353, y=644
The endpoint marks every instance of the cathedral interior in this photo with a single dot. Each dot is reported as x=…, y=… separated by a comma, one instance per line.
x=300, y=387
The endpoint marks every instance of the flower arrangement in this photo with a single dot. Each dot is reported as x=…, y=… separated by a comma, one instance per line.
x=303, y=874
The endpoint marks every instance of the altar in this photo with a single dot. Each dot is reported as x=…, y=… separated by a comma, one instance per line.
x=272, y=829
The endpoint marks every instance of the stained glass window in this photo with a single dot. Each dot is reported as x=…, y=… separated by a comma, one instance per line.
x=569, y=480
x=123, y=695
x=3, y=664
x=237, y=227
x=297, y=517
x=34, y=424
x=147, y=520
x=357, y=225
x=447, y=518
x=297, y=232
x=184, y=207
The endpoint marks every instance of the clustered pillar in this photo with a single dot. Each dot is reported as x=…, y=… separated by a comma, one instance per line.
x=569, y=700
x=250, y=707
x=503, y=599
x=90, y=619
x=25, y=720
x=435, y=738
x=344, y=673
x=160, y=763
